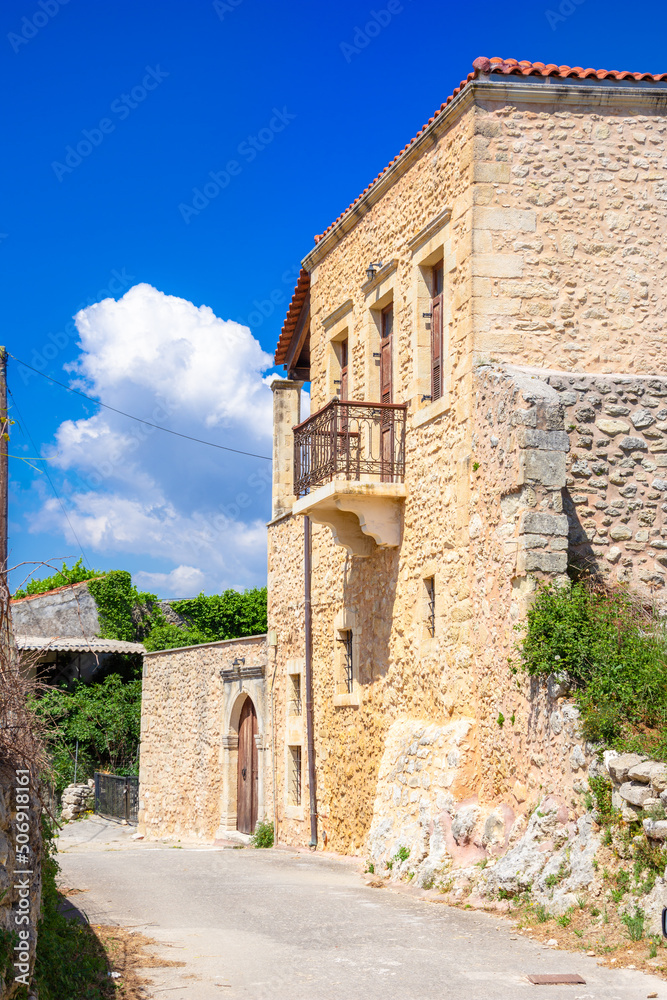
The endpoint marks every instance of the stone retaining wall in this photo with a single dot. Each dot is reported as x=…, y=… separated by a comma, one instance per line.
x=77, y=799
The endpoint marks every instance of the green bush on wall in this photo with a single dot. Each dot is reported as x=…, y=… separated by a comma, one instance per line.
x=614, y=649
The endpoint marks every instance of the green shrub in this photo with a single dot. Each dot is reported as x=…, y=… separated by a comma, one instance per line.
x=263, y=835
x=402, y=854
x=615, y=652
x=635, y=923
x=106, y=720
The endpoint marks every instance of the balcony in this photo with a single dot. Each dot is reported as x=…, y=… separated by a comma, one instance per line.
x=349, y=467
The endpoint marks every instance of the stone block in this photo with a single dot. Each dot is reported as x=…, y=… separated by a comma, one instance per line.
x=635, y=793
x=642, y=418
x=630, y=813
x=505, y=219
x=613, y=427
x=546, y=467
x=642, y=772
x=659, y=778
x=496, y=305
x=536, y=522
x=529, y=437
x=655, y=829
x=546, y=562
x=497, y=265
x=633, y=444
x=488, y=172
x=620, y=533
x=618, y=767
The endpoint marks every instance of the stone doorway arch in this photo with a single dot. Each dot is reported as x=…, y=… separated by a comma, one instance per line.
x=247, y=769
x=242, y=798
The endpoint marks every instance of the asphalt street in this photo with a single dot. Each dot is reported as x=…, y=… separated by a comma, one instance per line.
x=284, y=925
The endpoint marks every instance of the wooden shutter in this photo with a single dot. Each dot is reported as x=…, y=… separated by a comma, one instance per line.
x=344, y=381
x=386, y=420
x=385, y=354
x=436, y=334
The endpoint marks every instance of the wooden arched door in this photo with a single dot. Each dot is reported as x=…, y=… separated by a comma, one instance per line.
x=247, y=778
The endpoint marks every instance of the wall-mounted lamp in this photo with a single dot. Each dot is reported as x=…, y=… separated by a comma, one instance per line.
x=238, y=661
x=372, y=269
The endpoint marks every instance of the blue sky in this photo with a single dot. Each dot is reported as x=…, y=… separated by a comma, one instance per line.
x=157, y=97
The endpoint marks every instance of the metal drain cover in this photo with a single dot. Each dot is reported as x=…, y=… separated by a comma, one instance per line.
x=556, y=979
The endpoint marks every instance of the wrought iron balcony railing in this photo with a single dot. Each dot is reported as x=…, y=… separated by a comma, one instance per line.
x=350, y=440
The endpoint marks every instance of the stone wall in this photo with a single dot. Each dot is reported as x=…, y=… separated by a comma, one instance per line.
x=616, y=489
x=11, y=882
x=68, y=612
x=191, y=702
x=76, y=800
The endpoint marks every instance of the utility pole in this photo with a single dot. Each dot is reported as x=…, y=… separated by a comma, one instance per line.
x=4, y=471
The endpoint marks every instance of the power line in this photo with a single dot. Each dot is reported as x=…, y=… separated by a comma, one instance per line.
x=24, y=428
x=140, y=420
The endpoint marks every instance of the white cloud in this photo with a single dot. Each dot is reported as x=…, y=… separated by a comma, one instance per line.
x=184, y=581
x=138, y=491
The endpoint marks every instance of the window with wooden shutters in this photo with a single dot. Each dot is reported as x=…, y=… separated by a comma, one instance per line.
x=386, y=396
x=387, y=321
x=344, y=381
x=436, y=332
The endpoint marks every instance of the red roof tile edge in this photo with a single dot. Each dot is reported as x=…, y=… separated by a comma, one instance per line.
x=482, y=66
x=292, y=318
x=56, y=590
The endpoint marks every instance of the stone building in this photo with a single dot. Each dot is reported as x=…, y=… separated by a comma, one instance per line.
x=205, y=765
x=482, y=331
x=58, y=634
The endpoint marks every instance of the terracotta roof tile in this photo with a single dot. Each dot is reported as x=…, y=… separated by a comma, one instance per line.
x=482, y=66
x=292, y=318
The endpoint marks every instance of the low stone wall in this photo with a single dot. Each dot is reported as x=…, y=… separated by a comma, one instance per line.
x=77, y=799
x=639, y=785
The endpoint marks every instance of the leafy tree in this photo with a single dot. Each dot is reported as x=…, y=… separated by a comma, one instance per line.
x=227, y=615
x=67, y=575
x=104, y=717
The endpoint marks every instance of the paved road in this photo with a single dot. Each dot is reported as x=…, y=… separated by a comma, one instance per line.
x=277, y=925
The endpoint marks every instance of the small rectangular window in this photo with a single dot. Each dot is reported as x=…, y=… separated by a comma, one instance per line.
x=295, y=776
x=436, y=332
x=429, y=585
x=295, y=695
x=346, y=670
x=348, y=661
